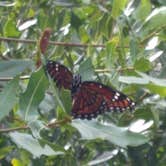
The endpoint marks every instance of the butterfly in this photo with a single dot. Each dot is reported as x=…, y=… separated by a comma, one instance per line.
x=89, y=98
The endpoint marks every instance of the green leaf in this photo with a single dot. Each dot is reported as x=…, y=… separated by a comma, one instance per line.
x=144, y=80
x=157, y=81
x=154, y=22
x=155, y=85
x=7, y=4
x=5, y=150
x=16, y=162
x=134, y=49
x=75, y=21
x=47, y=104
x=118, y=7
x=34, y=94
x=86, y=70
x=132, y=80
x=161, y=90
x=8, y=97
x=36, y=126
x=120, y=136
x=143, y=10
x=111, y=51
x=143, y=65
x=10, y=29
x=27, y=142
x=107, y=155
x=14, y=67
x=66, y=100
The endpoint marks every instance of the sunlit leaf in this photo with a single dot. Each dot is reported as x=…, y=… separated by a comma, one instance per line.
x=32, y=145
x=144, y=79
x=7, y=4
x=161, y=90
x=27, y=24
x=157, y=81
x=118, y=7
x=143, y=10
x=120, y=136
x=155, y=85
x=10, y=29
x=16, y=162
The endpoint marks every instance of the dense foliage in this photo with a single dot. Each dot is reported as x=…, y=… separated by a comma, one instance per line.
x=126, y=50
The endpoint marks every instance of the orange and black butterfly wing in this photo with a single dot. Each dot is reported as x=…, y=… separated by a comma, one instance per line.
x=94, y=98
x=60, y=74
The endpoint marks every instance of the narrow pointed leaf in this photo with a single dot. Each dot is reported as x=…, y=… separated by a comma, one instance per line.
x=118, y=7
x=34, y=94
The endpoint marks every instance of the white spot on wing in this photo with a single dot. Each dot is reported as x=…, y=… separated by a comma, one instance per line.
x=117, y=94
x=116, y=97
x=100, y=86
x=133, y=104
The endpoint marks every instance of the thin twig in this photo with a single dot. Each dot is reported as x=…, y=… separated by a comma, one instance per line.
x=97, y=70
x=28, y=41
x=14, y=129
x=59, y=122
x=10, y=78
x=9, y=39
x=145, y=94
x=110, y=70
x=50, y=42
x=55, y=124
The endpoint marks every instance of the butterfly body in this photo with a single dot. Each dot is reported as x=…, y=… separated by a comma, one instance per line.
x=76, y=84
x=89, y=98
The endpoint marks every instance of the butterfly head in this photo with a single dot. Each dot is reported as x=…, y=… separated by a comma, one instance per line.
x=76, y=83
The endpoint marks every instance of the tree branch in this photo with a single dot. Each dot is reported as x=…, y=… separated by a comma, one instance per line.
x=50, y=42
